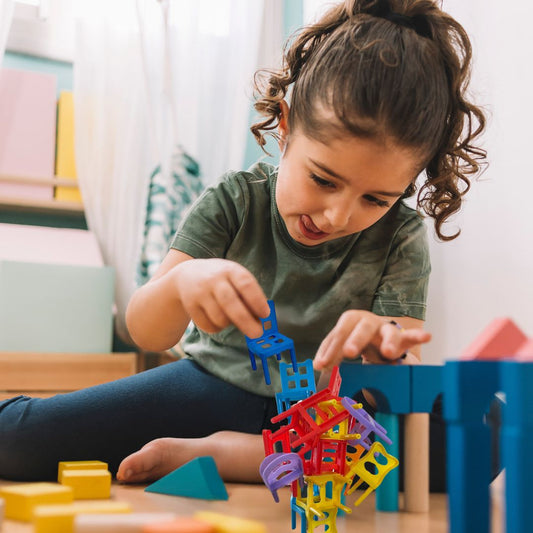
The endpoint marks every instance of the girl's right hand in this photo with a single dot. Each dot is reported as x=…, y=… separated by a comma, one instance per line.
x=217, y=293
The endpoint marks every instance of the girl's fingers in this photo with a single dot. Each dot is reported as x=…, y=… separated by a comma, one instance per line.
x=323, y=356
x=250, y=292
x=390, y=345
x=413, y=337
x=361, y=332
x=202, y=320
x=360, y=336
x=230, y=303
x=336, y=345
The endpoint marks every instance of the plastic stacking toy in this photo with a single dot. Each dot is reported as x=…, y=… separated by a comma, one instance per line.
x=272, y=342
x=324, y=446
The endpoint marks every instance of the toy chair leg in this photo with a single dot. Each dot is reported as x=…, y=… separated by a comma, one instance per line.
x=294, y=362
x=264, y=363
x=252, y=360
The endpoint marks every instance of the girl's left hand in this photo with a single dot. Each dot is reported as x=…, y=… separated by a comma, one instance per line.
x=364, y=333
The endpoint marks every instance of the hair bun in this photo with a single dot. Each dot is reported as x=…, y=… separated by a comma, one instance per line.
x=382, y=9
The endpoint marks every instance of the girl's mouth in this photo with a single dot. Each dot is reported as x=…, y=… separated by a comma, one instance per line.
x=309, y=230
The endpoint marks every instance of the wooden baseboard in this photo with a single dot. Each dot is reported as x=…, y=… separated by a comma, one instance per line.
x=45, y=374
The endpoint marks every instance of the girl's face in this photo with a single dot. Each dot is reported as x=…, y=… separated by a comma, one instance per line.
x=327, y=191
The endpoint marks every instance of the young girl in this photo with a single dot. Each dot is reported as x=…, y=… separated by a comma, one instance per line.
x=369, y=98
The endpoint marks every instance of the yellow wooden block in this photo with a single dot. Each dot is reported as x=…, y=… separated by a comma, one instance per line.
x=79, y=465
x=59, y=518
x=20, y=500
x=87, y=484
x=65, y=154
x=230, y=524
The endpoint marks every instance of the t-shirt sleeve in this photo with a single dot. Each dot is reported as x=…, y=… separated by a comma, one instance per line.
x=211, y=223
x=402, y=290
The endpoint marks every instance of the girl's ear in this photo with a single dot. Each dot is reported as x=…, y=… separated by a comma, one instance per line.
x=283, y=127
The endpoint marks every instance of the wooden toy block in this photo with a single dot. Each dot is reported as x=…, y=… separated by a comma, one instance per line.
x=390, y=385
x=59, y=518
x=198, y=478
x=387, y=492
x=20, y=500
x=426, y=385
x=119, y=523
x=65, y=152
x=2, y=506
x=180, y=525
x=87, y=484
x=517, y=459
x=79, y=465
x=525, y=353
x=499, y=340
x=469, y=387
x=230, y=524
x=27, y=131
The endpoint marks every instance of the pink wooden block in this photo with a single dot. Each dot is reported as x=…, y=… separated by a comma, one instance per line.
x=499, y=340
x=525, y=352
x=59, y=246
x=28, y=103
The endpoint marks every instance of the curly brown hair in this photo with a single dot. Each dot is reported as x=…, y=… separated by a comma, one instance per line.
x=388, y=69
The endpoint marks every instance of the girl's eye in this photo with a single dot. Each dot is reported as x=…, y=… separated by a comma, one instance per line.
x=376, y=201
x=321, y=182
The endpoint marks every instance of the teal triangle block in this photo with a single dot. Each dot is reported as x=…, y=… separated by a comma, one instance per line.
x=198, y=478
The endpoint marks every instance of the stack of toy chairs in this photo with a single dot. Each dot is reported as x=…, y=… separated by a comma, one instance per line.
x=323, y=450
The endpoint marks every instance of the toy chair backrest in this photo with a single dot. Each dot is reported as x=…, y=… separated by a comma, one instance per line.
x=381, y=464
x=270, y=323
x=303, y=380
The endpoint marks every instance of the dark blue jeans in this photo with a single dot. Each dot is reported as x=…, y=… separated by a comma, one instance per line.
x=110, y=421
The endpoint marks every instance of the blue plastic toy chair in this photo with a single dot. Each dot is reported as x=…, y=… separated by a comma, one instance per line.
x=295, y=386
x=272, y=342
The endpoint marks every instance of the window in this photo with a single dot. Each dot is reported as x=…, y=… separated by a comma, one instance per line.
x=43, y=28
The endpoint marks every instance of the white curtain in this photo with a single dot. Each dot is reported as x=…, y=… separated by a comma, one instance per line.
x=6, y=16
x=142, y=88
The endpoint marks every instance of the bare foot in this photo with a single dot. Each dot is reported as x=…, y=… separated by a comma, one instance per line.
x=157, y=459
x=162, y=456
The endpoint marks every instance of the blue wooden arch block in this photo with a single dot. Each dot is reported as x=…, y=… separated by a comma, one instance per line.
x=426, y=385
x=517, y=459
x=469, y=387
x=390, y=385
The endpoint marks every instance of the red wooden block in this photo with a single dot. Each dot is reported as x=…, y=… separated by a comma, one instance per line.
x=501, y=339
x=525, y=352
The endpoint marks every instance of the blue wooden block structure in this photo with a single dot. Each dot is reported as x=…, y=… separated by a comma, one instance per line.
x=517, y=382
x=469, y=388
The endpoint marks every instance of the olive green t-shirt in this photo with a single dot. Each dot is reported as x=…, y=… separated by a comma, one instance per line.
x=383, y=269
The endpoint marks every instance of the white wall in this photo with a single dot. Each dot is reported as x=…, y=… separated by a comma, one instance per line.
x=487, y=271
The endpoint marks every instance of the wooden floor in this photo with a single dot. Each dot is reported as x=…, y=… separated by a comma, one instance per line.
x=255, y=502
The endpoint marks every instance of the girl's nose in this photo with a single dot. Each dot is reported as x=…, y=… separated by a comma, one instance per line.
x=337, y=216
